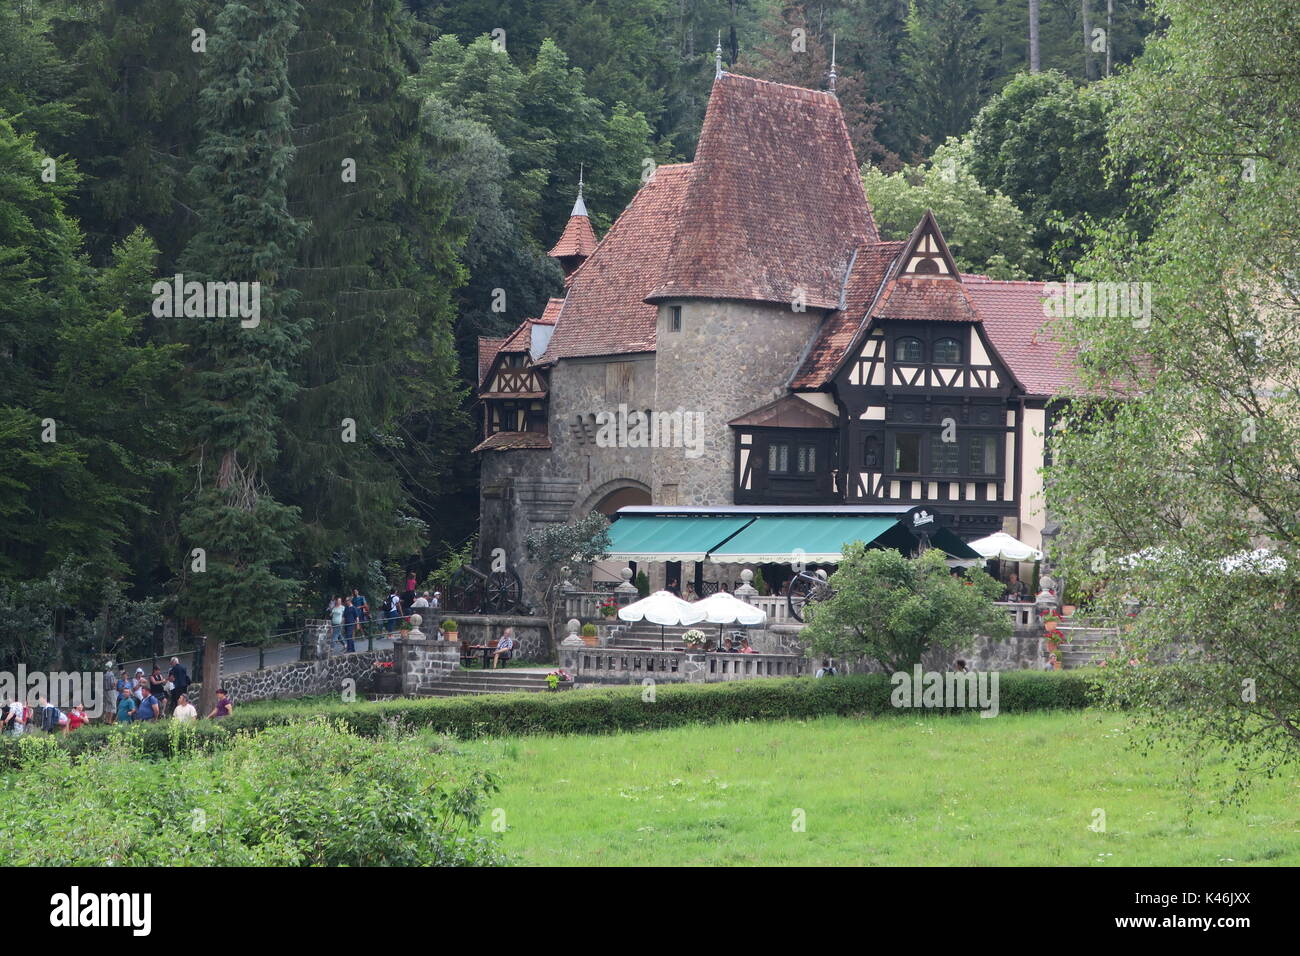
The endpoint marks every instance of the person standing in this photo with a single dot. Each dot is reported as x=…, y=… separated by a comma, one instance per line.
x=158, y=687
x=125, y=707
x=184, y=711
x=349, y=624
x=16, y=718
x=394, y=611
x=336, y=620
x=110, y=694
x=363, y=611
x=148, y=708
x=179, y=678
x=77, y=718
x=409, y=597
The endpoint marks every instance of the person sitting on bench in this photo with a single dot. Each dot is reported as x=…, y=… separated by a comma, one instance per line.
x=504, y=646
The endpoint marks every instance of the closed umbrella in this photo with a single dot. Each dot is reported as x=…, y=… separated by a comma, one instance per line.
x=662, y=608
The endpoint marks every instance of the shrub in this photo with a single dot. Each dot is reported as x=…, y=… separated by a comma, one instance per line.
x=450, y=625
x=589, y=630
x=591, y=710
x=310, y=794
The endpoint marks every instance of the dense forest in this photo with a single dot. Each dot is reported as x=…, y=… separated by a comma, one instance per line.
x=390, y=173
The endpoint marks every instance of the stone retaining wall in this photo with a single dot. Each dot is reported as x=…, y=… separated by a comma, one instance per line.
x=301, y=678
x=423, y=663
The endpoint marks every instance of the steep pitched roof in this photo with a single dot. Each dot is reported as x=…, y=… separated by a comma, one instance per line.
x=578, y=239
x=775, y=202
x=551, y=312
x=925, y=298
x=1019, y=328
x=604, y=312
x=870, y=268
x=487, y=351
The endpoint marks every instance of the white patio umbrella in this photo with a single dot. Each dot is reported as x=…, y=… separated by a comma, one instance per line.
x=1002, y=547
x=724, y=608
x=663, y=608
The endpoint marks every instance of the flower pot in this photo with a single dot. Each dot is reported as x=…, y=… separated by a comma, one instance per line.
x=452, y=635
x=1068, y=609
x=591, y=640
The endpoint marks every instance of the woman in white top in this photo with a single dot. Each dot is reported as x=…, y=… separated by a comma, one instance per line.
x=184, y=711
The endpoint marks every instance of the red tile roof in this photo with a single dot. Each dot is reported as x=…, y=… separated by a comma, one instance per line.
x=512, y=441
x=578, y=239
x=487, y=351
x=551, y=312
x=775, y=201
x=927, y=298
x=604, y=312
x=870, y=267
x=1018, y=327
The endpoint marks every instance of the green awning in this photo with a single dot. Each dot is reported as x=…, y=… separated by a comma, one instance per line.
x=671, y=537
x=945, y=540
x=820, y=538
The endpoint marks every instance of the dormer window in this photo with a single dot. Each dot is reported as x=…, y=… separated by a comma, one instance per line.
x=947, y=352
x=908, y=349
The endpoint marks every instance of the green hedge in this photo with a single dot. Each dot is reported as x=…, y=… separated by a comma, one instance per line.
x=598, y=710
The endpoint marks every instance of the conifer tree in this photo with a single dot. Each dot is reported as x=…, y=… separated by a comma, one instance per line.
x=241, y=374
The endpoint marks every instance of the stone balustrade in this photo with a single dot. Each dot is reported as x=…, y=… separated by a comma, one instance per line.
x=617, y=665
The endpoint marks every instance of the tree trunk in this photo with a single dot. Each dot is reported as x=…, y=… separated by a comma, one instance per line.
x=211, y=675
x=1087, y=40
x=1034, y=65
x=1110, y=17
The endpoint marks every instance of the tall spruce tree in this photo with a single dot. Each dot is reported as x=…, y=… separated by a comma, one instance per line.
x=375, y=273
x=242, y=373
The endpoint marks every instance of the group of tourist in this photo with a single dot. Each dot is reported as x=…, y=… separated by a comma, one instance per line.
x=350, y=616
x=138, y=698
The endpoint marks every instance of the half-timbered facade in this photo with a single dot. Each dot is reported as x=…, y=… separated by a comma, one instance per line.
x=822, y=367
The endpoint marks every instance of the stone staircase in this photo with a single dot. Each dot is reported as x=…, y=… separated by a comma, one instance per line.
x=1086, y=646
x=643, y=636
x=504, y=680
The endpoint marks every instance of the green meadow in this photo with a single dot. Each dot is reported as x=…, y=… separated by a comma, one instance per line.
x=1060, y=788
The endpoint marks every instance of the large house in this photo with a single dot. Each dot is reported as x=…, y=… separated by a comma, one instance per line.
x=743, y=347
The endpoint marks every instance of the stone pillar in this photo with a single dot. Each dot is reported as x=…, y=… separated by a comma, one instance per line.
x=746, y=591
x=316, y=642
x=571, y=648
x=626, y=592
x=415, y=634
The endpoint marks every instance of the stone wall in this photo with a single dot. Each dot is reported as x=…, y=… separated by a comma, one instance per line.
x=728, y=359
x=301, y=678
x=523, y=490
x=532, y=634
x=423, y=663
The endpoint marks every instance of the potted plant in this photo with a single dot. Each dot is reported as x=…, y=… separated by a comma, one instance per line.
x=555, y=678
x=608, y=609
x=451, y=629
x=694, y=639
x=589, y=635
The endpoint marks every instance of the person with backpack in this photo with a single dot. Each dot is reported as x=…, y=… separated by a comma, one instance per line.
x=179, y=679
x=394, y=611
x=15, y=720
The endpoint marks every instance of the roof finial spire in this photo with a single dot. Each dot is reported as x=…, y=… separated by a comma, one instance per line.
x=717, y=58
x=832, y=75
x=579, y=206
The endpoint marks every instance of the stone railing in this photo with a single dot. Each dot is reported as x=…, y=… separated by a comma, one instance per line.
x=1023, y=616
x=775, y=607
x=614, y=665
x=585, y=605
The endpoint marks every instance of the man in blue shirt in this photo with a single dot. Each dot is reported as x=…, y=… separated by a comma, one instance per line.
x=147, y=709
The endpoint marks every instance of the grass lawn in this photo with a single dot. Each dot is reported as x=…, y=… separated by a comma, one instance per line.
x=1016, y=789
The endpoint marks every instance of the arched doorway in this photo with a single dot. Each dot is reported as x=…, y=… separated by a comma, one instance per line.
x=610, y=500
x=621, y=497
